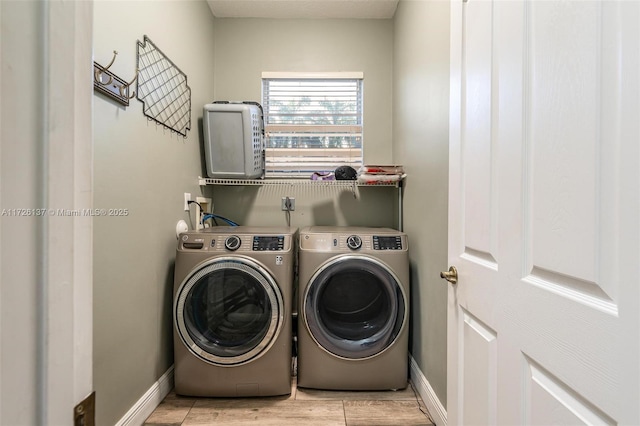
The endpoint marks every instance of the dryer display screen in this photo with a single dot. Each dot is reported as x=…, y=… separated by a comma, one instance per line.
x=268, y=243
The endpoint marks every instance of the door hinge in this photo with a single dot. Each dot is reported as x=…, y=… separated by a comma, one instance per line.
x=84, y=414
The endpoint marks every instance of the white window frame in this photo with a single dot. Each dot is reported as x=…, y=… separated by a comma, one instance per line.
x=302, y=162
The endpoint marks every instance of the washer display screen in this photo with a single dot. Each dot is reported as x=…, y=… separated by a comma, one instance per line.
x=268, y=243
x=387, y=243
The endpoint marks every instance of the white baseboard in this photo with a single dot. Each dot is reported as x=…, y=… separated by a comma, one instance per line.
x=149, y=401
x=434, y=406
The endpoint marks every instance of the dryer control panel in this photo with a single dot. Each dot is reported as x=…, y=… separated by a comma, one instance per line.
x=353, y=243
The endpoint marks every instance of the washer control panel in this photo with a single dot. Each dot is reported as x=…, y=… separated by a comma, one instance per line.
x=213, y=242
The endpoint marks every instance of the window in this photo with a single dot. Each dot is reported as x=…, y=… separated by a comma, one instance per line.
x=313, y=122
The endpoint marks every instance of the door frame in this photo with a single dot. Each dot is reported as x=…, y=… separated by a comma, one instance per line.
x=67, y=361
x=454, y=227
x=51, y=306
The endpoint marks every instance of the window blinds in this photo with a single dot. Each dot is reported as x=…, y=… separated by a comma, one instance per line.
x=312, y=125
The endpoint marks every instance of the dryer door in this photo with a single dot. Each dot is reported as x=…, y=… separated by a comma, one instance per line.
x=229, y=311
x=354, y=307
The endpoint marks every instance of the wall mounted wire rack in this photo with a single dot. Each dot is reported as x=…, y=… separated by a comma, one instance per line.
x=202, y=181
x=163, y=89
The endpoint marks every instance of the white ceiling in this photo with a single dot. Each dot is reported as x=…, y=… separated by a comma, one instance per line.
x=364, y=9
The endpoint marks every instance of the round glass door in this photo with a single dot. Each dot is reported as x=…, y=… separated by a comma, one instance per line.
x=229, y=311
x=354, y=307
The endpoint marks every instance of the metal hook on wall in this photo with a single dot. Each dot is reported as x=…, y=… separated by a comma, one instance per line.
x=98, y=72
x=115, y=87
x=125, y=89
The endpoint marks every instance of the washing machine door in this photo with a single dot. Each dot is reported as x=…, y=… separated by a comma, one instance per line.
x=229, y=311
x=354, y=307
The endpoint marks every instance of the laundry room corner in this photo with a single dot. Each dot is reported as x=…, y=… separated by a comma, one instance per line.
x=141, y=171
x=364, y=45
x=421, y=143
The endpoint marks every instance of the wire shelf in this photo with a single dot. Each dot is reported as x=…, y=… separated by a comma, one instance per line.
x=308, y=183
x=294, y=182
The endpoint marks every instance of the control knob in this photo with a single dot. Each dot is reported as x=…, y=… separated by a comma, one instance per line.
x=354, y=242
x=232, y=243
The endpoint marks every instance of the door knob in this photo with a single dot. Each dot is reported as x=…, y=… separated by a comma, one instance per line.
x=451, y=275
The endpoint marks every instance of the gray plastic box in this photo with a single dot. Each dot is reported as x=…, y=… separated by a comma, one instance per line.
x=233, y=140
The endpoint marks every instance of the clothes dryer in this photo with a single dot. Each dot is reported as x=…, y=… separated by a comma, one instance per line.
x=233, y=291
x=353, y=308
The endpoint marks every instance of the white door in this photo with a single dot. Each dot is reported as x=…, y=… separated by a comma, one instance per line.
x=544, y=213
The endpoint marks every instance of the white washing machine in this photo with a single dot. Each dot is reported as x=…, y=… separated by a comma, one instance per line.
x=353, y=320
x=233, y=296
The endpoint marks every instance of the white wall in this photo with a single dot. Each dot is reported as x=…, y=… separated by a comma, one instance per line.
x=144, y=168
x=244, y=48
x=420, y=142
x=247, y=47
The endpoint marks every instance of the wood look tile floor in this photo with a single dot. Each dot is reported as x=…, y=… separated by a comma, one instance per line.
x=307, y=407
